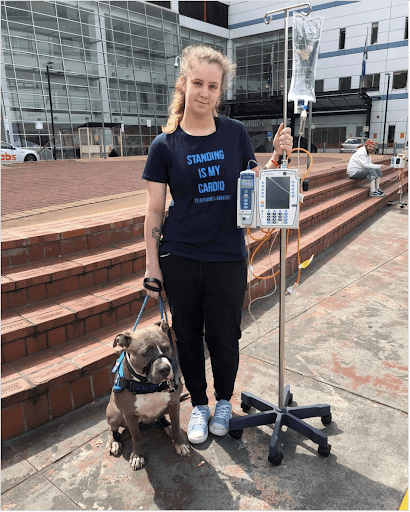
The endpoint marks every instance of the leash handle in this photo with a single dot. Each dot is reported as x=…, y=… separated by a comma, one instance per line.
x=150, y=287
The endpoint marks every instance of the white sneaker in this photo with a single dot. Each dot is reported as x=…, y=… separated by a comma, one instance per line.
x=219, y=425
x=198, y=424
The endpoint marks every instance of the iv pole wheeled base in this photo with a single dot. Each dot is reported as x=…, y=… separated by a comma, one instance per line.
x=291, y=417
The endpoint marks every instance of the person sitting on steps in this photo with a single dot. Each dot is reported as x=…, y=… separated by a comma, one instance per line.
x=360, y=166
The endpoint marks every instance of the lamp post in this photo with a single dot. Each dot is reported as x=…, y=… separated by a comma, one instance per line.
x=48, y=66
x=385, y=113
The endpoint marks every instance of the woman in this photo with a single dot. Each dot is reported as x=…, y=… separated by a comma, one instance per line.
x=199, y=254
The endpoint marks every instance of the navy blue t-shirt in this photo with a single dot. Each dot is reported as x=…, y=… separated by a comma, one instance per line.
x=202, y=174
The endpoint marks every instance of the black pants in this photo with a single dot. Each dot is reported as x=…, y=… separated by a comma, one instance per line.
x=206, y=295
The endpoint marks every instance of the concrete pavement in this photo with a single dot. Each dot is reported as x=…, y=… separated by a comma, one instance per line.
x=346, y=345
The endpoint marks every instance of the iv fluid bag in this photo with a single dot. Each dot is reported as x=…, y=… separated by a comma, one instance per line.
x=306, y=39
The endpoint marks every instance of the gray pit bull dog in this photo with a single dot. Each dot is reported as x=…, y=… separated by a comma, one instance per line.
x=147, y=351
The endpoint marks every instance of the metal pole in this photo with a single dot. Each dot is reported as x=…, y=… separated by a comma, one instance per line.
x=102, y=116
x=283, y=230
x=51, y=109
x=385, y=113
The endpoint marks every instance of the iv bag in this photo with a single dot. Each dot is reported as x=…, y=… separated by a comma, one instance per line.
x=306, y=38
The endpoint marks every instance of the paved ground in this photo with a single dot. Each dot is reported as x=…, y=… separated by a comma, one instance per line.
x=41, y=192
x=346, y=345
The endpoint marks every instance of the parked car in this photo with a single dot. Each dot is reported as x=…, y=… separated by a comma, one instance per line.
x=10, y=153
x=303, y=143
x=353, y=144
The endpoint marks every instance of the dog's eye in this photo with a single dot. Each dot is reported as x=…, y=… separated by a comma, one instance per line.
x=146, y=352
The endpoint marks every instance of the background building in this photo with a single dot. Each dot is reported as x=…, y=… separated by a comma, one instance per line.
x=112, y=67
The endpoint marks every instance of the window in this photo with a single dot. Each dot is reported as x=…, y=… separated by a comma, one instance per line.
x=215, y=13
x=406, y=28
x=399, y=79
x=371, y=82
x=345, y=83
x=375, y=30
x=342, y=38
x=319, y=85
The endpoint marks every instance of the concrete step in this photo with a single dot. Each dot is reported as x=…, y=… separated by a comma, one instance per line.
x=57, y=353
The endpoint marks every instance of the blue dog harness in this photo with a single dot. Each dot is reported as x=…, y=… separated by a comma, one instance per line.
x=142, y=386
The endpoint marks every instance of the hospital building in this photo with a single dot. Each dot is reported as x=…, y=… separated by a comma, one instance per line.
x=88, y=74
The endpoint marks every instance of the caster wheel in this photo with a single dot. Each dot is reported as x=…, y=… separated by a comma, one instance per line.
x=236, y=434
x=290, y=399
x=276, y=459
x=327, y=420
x=245, y=407
x=324, y=450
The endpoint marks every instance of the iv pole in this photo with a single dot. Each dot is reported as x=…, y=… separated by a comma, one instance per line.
x=283, y=230
x=282, y=414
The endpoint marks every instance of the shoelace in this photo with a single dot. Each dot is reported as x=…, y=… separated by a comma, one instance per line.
x=198, y=417
x=223, y=411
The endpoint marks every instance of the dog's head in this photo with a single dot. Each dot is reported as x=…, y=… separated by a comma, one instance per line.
x=144, y=346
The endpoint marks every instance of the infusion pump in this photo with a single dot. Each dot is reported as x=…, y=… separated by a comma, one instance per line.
x=270, y=201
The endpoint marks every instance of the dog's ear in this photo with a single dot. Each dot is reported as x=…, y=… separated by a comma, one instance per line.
x=123, y=339
x=163, y=324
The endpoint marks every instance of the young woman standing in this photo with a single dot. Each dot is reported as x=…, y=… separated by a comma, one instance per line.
x=199, y=253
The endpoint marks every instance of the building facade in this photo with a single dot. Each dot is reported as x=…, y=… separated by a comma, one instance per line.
x=96, y=73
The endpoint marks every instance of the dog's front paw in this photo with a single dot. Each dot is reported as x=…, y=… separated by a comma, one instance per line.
x=182, y=449
x=115, y=448
x=136, y=461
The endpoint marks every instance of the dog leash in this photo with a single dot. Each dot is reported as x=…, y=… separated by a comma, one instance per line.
x=163, y=315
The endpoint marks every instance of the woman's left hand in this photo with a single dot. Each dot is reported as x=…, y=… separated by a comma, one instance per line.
x=283, y=140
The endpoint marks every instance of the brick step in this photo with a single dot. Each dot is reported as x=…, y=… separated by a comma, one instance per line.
x=28, y=284
x=30, y=329
x=46, y=279
x=316, y=239
x=43, y=386
x=322, y=192
x=22, y=246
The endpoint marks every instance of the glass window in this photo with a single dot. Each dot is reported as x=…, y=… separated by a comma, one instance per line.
x=155, y=34
x=17, y=14
x=44, y=8
x=87, y=17
x=74, y=66
x=375, y=29
x=40, y=20
x=73, y=53
x=345, y=83
x=319, y=85
x=47, y=35
x=71, y=40
x=138, y=30
x=25, y=59
x=89, y=30
x=120, y=25
x=406, y=28
x=48, y=48
x=71, y=27
x=63, y=11
x=136, y=7
x=342, y=38
x=15, y=29
x=399, y=80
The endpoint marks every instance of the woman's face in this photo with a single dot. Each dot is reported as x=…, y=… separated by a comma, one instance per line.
x=202, y=88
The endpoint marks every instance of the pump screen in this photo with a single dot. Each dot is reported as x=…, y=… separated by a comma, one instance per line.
x=247, y=182
x=277, y=193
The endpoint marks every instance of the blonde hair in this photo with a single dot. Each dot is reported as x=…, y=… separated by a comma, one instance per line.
x=190, y=56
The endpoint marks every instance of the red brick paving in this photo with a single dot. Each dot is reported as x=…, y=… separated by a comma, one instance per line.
x=32, y=185
x=41, y=184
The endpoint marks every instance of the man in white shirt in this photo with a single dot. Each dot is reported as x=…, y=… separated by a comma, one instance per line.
x=360, y=166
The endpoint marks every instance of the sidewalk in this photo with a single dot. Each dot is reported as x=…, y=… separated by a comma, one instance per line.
x=346, y=345
x=43, y=192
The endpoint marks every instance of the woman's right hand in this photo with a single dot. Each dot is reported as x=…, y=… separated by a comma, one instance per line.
x=156, y=274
